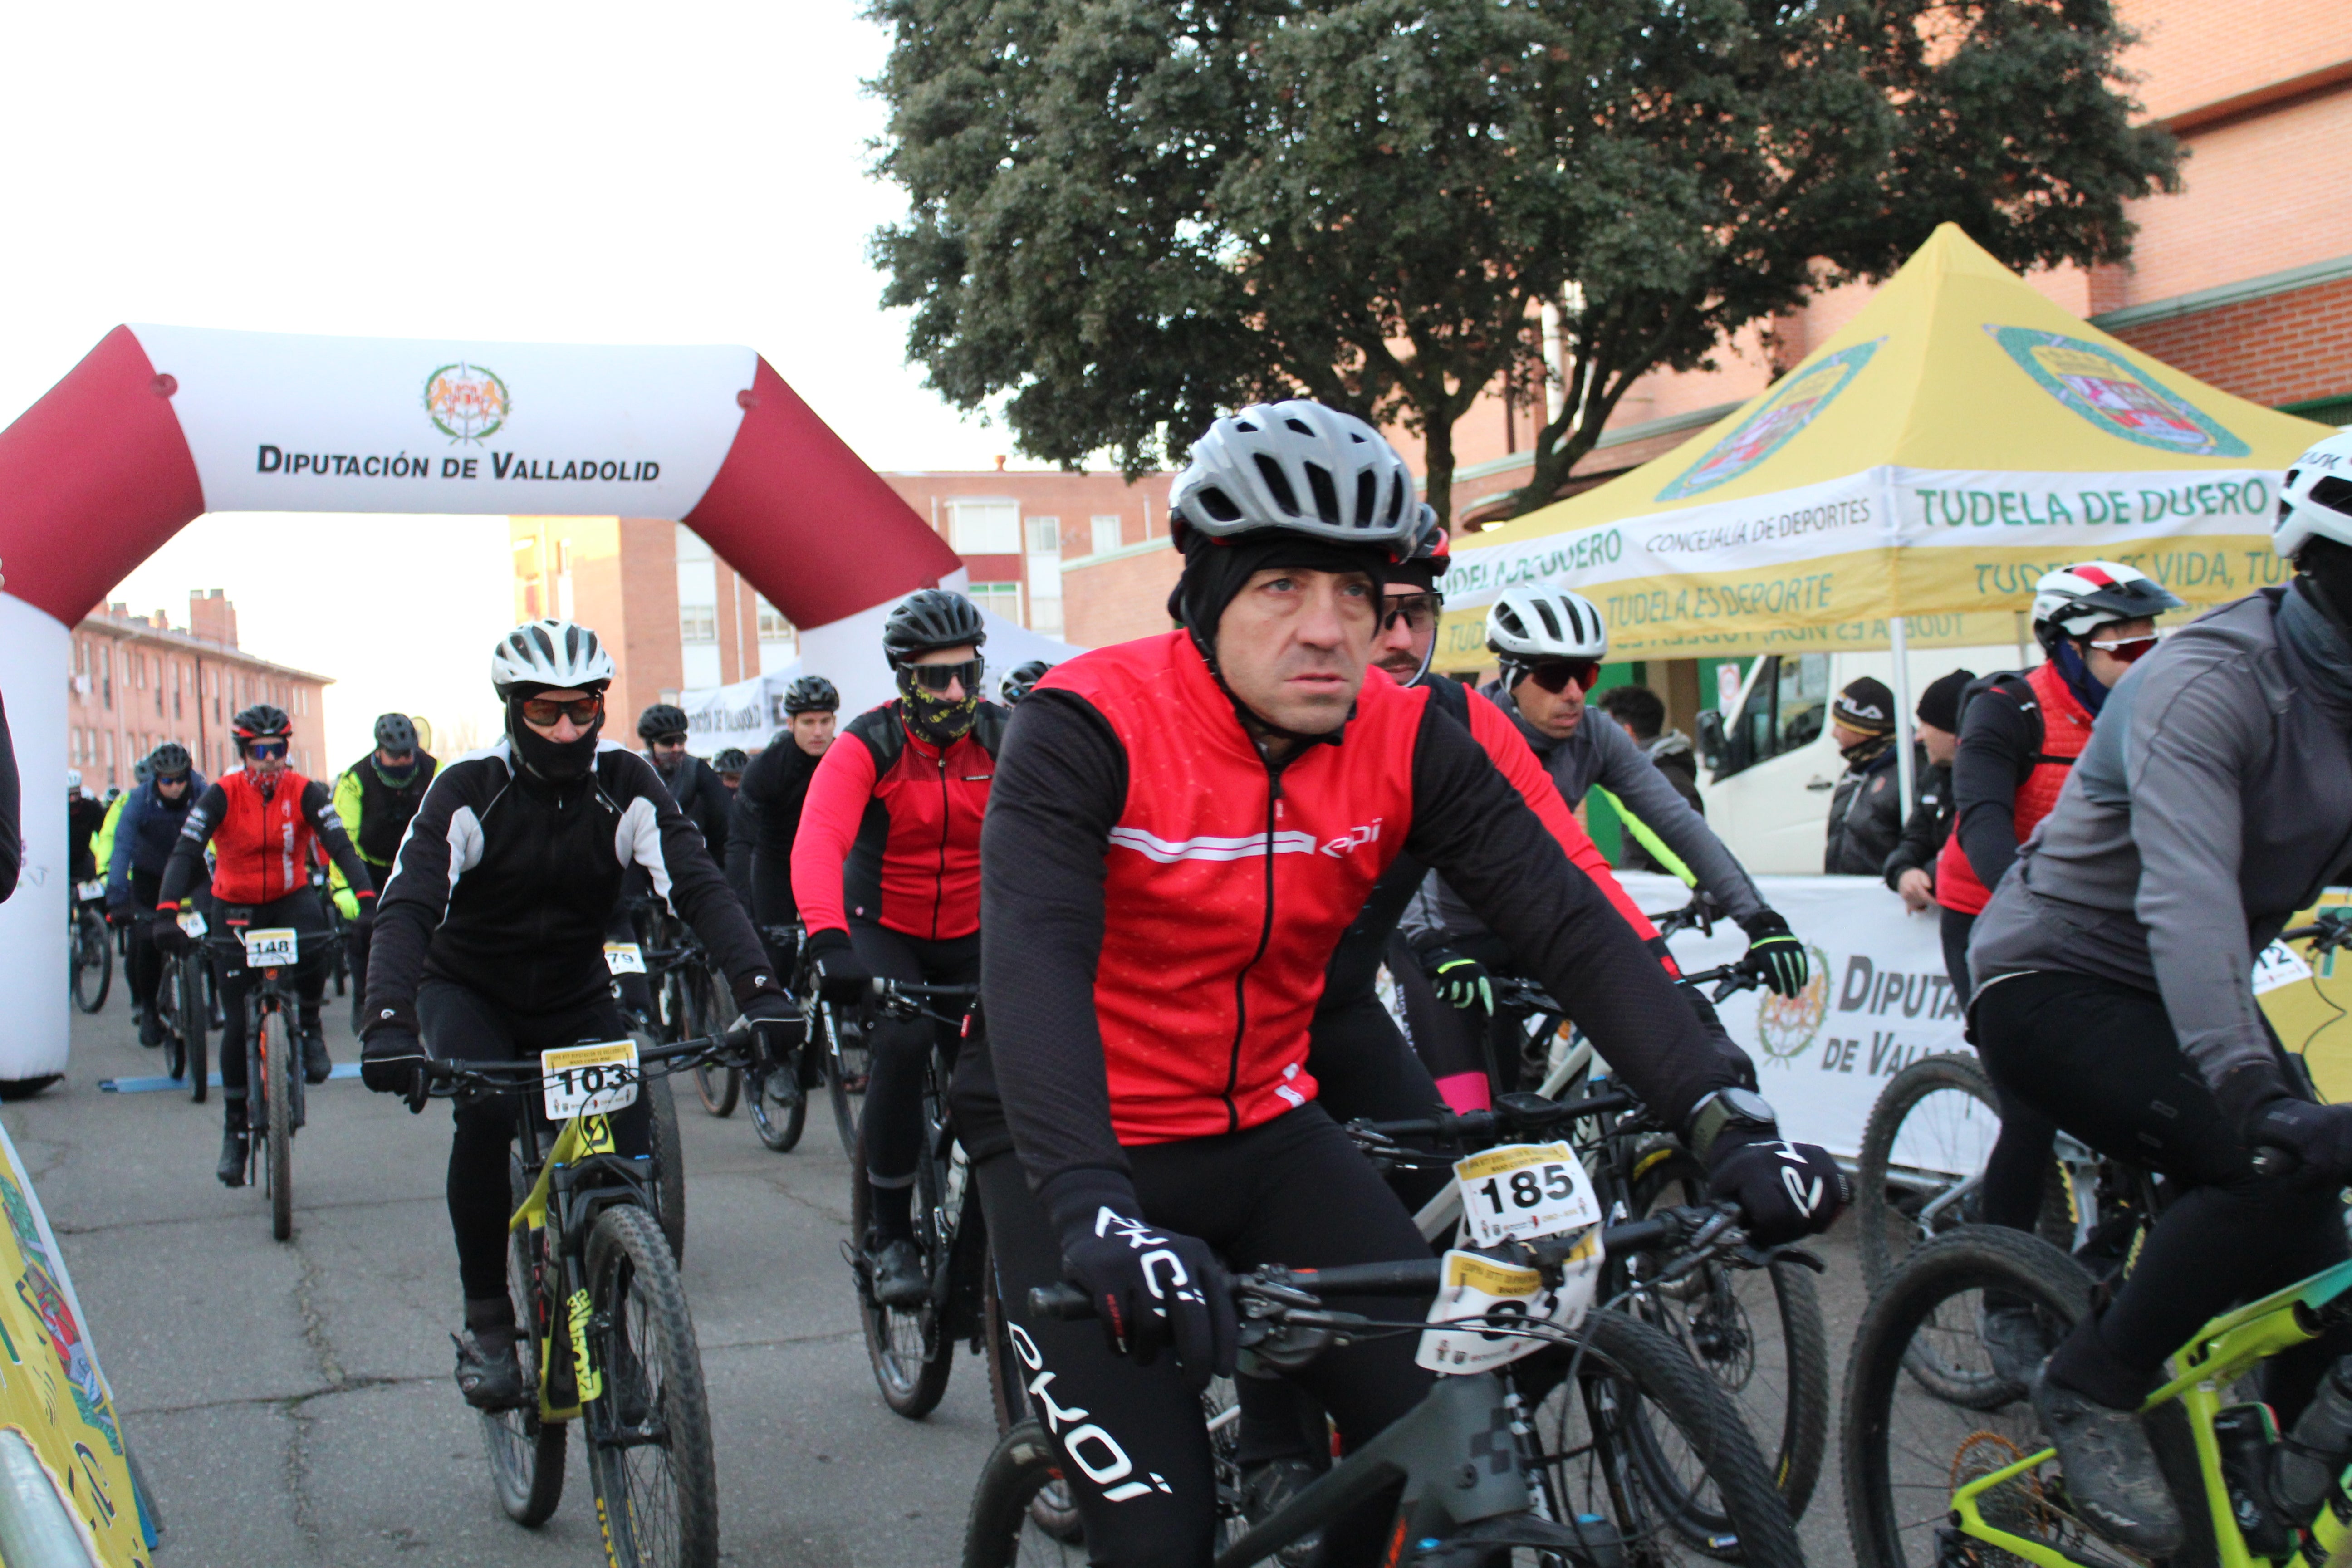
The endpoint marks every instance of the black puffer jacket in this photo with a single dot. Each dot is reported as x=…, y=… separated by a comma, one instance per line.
x=1865, y=818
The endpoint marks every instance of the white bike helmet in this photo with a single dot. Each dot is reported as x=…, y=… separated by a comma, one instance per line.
x=553, y=654
x=1302, y=468
x=2073, y=600
x=1528, y=624
x=73, y=780
x=2315, y=500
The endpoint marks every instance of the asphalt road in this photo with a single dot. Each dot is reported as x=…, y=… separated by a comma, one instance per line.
x=291, y=1403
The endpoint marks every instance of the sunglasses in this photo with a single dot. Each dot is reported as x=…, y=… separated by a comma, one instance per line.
x=2130, y=650
x=939, y=677
x=668, y=743
x=1554, y=675
x=1417, y=611
x=544, y=712
x=265, y=748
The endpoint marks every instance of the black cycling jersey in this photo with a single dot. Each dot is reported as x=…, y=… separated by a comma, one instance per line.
x=701, y=795
x=769, y=798
x=506, y=881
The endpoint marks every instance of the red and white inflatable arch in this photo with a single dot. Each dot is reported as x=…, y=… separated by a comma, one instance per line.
x=159, y=424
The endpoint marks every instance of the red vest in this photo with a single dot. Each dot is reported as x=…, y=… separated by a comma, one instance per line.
x=261, y=849
x=1225, y=896
x=2065, y=731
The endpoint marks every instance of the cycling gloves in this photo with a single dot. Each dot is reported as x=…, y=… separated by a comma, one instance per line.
x=1461, y=981
x=1152, y=1288
x=1784, y=1190
x=840, y=973
x=1775, y=948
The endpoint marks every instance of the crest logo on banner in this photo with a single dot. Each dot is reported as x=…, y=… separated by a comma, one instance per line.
x=2107, y=390
x=1769, y=428
x=1785, y=1026
x=467, y=402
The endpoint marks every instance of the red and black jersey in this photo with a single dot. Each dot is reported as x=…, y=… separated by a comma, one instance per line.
x=262, y=836
x=1161, y=902
x=889, y=833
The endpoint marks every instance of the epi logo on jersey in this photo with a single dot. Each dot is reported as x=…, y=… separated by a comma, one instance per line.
x=1354, y=839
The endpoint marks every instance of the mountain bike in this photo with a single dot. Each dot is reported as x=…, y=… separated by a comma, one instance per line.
x=90, y=950
x=913, y=1348
x=694, y=1000
x=273, y=1056
x=1567, y=1482
x=844, y=1058
x=184, y=1010
x=607, y=1340
x=777, y=1085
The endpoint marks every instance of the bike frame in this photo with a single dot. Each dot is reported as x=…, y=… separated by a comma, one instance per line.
x=581, y=1176
x=2221, y=1351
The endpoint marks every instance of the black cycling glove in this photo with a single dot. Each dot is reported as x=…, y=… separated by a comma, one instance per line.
x=2267, y=1115
x=1151, y=1287
x=168, y=935
x=1461, y=981
x=391, y=1062
x=1774, y=946
x=1784, y=1190
x=840, y=973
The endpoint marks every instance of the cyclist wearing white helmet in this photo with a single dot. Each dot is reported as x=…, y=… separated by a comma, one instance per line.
x=1180, y=830
x=491, y=941
x=2114, y=968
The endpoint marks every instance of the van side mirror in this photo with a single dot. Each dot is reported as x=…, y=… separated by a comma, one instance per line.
x=1710, y=737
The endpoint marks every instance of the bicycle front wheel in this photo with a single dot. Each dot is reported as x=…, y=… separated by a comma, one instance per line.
x=93, y=963
x=526, y=1454
x=277, y=1051
x=196, y=1019
x=669, y=1166
x=708, y=1013
x=1639, y=1435
x=1758, y=1332
x=1006, y=1528
x=845, y=1076
x=169, y=1014
x=648, y=1429
x=911, y=1353
x=779, y=1121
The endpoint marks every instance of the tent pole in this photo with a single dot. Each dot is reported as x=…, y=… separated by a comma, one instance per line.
x=1906, y=785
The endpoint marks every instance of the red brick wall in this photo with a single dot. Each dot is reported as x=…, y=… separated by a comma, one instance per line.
x=1119, y=599
x=2287, y=348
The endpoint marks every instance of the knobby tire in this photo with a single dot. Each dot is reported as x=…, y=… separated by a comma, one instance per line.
x=656, y=1481
x=526, y=1455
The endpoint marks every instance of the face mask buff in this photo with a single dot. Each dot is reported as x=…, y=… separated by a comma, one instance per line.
x=556, y=762
x=932, y=717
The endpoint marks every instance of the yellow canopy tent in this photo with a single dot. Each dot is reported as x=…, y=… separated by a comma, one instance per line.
x=1962, y=436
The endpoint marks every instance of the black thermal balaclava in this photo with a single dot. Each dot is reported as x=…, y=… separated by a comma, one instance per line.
x=2326, y=578
x=930, y=717
x=1215, y=570
x=557, y=762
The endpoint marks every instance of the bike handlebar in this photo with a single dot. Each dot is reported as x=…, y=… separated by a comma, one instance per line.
x=1513, y=1113
x=520, y=1074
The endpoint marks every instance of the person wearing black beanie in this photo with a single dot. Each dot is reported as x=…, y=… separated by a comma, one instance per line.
x=1910, y=870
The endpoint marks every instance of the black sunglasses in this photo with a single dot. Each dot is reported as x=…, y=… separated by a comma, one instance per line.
x=1417, y=611
x=1553, y=675
x=546, y=711
x=265, y=748
x=939, y=677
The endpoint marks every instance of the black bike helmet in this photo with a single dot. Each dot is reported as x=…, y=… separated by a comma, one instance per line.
x=169, y=760
x=811, y=694
x=261, y=721
x=1017, y=684
x=733, y=760
x=661, y=718
x=394, y=733
x=933, y=618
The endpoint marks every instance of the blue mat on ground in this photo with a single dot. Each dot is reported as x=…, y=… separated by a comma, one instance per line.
x=151, y=1085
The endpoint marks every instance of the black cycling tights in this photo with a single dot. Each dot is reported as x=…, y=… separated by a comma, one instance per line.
x=2101, y=1060
x=461, y=1024
x=892, y=1127
x=299, y=909
x=1291, y=1191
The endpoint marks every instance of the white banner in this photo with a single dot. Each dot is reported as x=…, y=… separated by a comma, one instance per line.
x=282, y=423
x=745, y=714
x=1878, y=999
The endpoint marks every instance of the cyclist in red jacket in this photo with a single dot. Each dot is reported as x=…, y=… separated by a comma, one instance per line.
x=262, y=821
x=885, y=869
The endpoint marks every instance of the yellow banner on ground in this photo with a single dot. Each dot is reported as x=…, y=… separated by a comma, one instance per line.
x=64, y=1471
x=1961, y=435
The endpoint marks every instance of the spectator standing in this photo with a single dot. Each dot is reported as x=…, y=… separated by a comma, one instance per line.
x=1642, y=715
x=1866, y=812
x=1911, y=869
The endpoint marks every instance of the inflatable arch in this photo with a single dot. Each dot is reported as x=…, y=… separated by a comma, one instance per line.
x=158, y=425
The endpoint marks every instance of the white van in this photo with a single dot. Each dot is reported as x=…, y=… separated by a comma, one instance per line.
x=1770, y=769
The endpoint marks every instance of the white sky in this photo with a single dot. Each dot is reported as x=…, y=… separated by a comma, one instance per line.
x=687, y=174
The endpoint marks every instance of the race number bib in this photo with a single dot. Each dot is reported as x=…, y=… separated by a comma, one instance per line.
x=273, y=948
x=1480, y=1288
x=193, y=922
x=95, y=889
x=1519, y=1191
x=590, y=1080
x=624, y=958
x=2276, y=966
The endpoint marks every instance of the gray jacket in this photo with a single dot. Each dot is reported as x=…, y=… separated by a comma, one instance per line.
x=2213, y=801
x=1599, y=752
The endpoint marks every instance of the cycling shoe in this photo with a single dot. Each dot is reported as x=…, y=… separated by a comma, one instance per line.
x=489, y=1374
x=2112, y=1476
x=896, y=1271
x=236, y=1150
x=2013, y=1340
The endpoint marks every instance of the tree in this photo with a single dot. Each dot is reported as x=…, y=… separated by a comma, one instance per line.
x=1128, y=216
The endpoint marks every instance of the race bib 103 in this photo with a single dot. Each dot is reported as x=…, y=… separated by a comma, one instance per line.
x=590, y=1080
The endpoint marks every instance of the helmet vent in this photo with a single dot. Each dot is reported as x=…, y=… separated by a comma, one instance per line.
x=1550, y=621
x=1300, y=425
x=1368, y=497
x=1219, y=505
x=1326, y=494
x=1278, y=483
x=2333, y=493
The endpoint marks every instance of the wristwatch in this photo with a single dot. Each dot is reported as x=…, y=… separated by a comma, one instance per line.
x=1733, y=1107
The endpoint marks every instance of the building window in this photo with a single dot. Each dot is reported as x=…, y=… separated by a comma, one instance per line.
x=1105, y=528
x=1044, y=536
x=773, y=628
x=998, y=599
x=984, y=526
x=697, y=623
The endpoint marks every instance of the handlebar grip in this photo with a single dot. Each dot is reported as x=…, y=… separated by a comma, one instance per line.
x=1638, y=1236
x=1413, y=1276
x=1067, y=1302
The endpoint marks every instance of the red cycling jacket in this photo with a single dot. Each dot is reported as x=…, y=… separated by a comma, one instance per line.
x=890, y=830
x=262, y=840
x=2065, y=727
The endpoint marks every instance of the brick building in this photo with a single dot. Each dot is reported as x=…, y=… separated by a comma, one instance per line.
x=135, y=682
